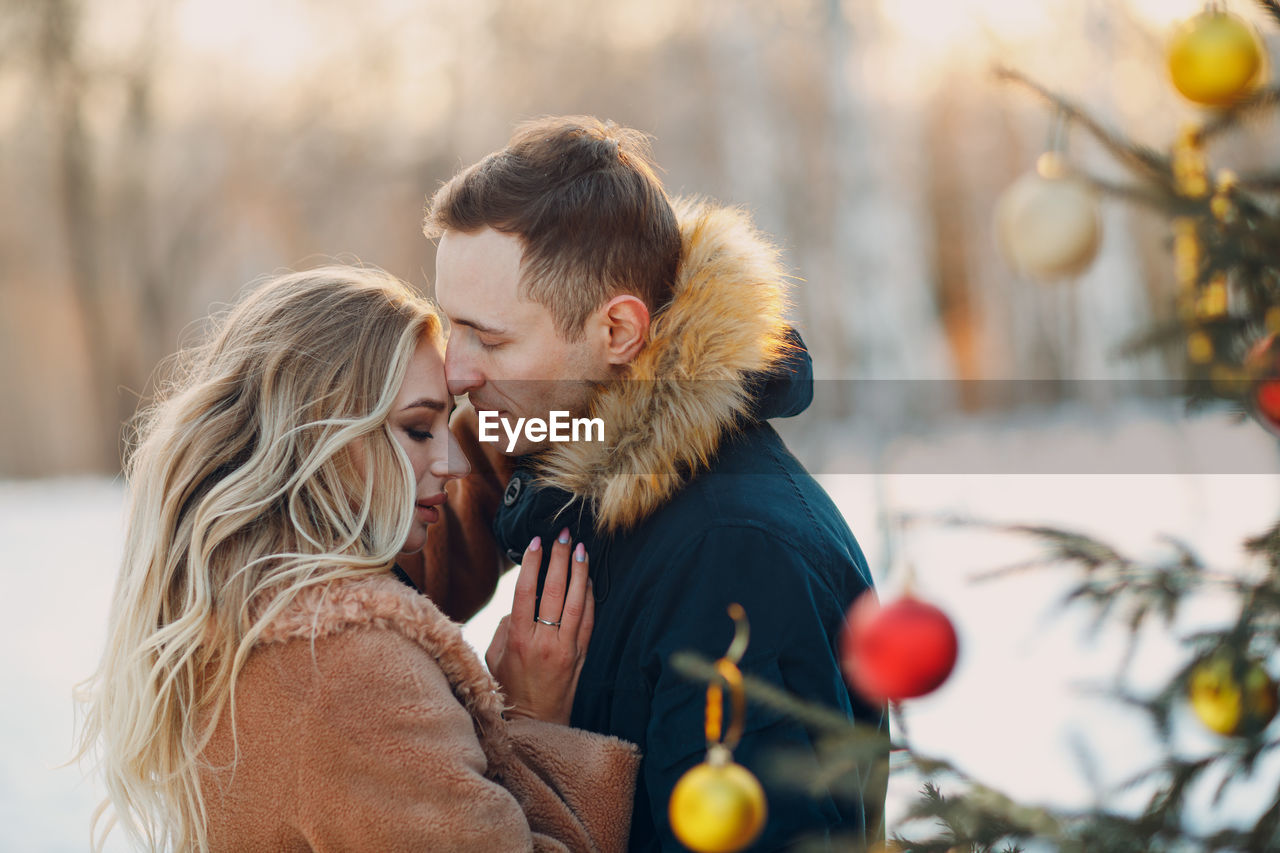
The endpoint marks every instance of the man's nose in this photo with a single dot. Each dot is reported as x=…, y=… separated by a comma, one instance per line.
x=459, y=374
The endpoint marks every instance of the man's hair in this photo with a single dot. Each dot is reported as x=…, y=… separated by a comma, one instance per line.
x=582, y=196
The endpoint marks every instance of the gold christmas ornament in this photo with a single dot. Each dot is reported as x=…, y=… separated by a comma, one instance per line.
x=1199, y=348
x=1191, y=174
x=1190, y=168
x=1221, y=205
x=1231, y=696
x=718, y=806
x=1047, y=221
x=1215, y=59
x=1213, y=299
x=1272, y=319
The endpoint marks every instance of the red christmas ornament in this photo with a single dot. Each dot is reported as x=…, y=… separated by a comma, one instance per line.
x=1263, y=362
x=900, y=651
x=1266, y=399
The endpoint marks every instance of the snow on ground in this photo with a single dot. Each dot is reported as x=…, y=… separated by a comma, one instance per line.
x=1012, y=714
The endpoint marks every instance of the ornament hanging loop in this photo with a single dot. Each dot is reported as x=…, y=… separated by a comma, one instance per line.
x=1052, y=164
x=727, y=668
x=1057, y=139
x=741, y=634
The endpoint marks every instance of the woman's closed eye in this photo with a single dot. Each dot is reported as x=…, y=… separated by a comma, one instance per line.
x=419, y=434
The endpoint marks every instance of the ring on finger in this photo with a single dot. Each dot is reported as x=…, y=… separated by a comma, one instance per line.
x=555, y=624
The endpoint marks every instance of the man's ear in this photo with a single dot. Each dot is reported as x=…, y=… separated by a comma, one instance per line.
x=625, y=319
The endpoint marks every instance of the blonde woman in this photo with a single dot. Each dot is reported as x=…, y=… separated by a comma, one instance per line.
x=271, y=681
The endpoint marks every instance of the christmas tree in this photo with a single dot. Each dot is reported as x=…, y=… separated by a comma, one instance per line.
x=1224, y=328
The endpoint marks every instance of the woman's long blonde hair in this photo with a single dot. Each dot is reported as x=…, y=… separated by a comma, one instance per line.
x=245, y=488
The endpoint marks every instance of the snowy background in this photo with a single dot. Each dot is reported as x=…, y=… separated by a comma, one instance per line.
x=1012, y=715
x=160, y=154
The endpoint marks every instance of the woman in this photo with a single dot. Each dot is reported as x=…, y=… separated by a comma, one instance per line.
x=268, y=683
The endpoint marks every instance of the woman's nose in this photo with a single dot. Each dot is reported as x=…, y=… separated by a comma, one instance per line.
x=452, y=464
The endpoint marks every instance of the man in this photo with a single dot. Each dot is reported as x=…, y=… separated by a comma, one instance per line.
x=572, y=284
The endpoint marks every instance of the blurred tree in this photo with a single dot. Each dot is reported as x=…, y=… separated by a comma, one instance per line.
x=156, y=168
x=64, y=79
x=1224, y=328
x=103, y=206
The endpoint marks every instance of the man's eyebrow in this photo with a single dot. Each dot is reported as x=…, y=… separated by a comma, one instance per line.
x=478, y=326
x=425, y=403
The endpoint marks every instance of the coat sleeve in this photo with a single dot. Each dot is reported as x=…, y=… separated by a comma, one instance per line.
x=460, y=566
x=592, y=776
x=795, y=617
x=388, y=759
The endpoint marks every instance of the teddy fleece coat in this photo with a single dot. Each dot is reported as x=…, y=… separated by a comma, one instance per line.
x=691, y=503
x=363, y=721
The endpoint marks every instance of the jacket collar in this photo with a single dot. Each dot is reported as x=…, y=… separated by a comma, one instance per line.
x=696, y=380
x=384, y=601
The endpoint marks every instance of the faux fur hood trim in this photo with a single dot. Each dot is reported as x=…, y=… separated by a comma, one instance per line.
x=688, y=387
x=386, y=603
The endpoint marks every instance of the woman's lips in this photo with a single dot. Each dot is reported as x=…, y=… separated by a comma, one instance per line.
x=428, y=509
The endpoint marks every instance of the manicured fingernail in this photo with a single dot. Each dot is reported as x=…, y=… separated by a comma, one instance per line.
x=564, y=536
x=580, y=553
x=535, y=543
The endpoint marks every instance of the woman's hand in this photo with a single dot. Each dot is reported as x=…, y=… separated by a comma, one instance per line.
x=537, y=660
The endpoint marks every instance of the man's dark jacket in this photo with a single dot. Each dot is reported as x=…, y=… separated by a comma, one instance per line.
x=693, y=503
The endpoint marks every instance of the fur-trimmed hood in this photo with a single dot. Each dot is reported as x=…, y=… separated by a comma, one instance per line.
x=693, y=381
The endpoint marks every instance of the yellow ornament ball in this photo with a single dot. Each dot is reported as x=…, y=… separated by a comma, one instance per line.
x=1232, y=698
x=1047, y=222
x=717, y=806
x=1215, y=59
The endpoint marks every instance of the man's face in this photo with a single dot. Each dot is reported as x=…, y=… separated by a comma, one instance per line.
x=504, y=350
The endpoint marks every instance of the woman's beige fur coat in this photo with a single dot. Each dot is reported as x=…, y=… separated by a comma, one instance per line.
x=363, y=721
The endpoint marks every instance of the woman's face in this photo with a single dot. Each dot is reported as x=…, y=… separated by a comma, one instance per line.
x=419, y=420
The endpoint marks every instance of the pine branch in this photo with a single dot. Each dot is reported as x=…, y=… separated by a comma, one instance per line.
x=1164, y=809
x=1164, y=336
x=1065, y=545
x=1136, y=155
x=1272, y=7
x=1259, y=101
x=1147, y=196
x=1263, y=836
x=697, y=668
x=1162, y=578
x=1260, y=182
x=1266, y=544
x=982, y=816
